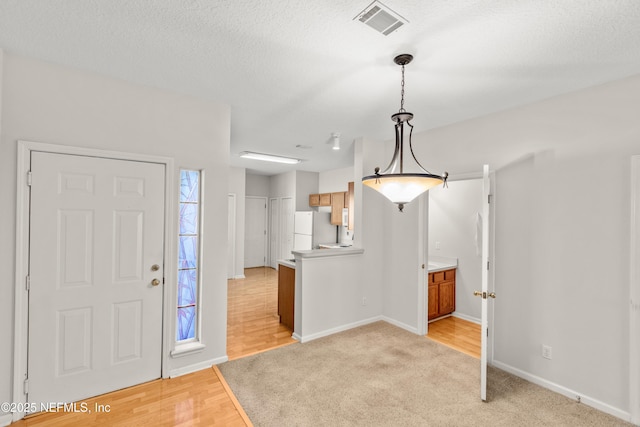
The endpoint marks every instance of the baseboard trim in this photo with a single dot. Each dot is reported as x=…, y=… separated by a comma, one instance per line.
x=571, y=394
x=467, y=318
x=238, y=276
x=6, y=419
x=327, y=332
x=189, y=369
x=401, y=325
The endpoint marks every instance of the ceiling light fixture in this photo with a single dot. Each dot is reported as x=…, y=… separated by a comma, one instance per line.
x=396, y=185
x=269, y=158
x=336, y=140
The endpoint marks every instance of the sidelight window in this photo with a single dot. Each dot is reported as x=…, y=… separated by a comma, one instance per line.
x=188, y=255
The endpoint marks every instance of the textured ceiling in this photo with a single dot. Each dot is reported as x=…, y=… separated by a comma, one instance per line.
x=293, y=72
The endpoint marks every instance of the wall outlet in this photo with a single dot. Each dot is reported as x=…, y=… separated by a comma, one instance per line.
x=364, y=300
x=546, y=352
x=437, y=246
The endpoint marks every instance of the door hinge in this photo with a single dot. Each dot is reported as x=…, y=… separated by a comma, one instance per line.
x=27, y=283
x=29, y=178
x=26, y=386
x=487, y=265
x=489, y=198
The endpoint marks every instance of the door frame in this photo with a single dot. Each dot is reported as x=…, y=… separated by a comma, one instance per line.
x=273, y=233
x=22, y=250
x=231, y=200
x=423, y=254
x=634, y=294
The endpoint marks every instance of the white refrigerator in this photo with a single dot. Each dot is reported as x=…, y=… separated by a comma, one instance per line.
x=312, y=228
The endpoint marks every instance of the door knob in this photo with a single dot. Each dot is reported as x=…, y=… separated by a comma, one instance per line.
x=492, y=294
x=477, y=293
x=155, y=282
x=155, y=267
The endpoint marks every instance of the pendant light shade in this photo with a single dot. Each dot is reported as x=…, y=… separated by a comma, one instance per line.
x=393, y=183
x=402, y=188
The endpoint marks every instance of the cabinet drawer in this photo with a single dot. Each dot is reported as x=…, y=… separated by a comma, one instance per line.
x=438, y=276
x=449, y=274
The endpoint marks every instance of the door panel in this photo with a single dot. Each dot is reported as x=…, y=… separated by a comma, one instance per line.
x=485, y=327
x=255, y=232
x=286, y=227
x=95, y=320
x=274, y=218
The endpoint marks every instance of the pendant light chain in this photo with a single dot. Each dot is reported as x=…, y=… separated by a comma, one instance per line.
x=402, y=110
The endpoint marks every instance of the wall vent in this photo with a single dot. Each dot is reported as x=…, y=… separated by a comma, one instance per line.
x=381, y=18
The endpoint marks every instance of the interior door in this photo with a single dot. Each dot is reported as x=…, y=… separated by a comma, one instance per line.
x=286, y=227
x=96, y=272
x=255, y=232
x=485, y=294
x=274, y=218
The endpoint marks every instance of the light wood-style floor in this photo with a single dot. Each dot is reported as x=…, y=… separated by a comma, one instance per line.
x=458, y=334
x=252, y=314
x=203, y=398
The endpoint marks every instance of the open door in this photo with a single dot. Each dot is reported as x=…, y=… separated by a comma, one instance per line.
x=485, y=294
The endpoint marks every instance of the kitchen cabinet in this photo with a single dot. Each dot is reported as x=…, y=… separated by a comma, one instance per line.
x=337, y=204
x=350, y=203
x=442, y=293
x=286, y=294
x=323, y=199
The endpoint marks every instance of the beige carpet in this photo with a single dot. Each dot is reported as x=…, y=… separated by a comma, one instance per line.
x=381, y=375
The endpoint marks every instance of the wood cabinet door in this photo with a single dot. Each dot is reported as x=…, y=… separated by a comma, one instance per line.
x=446, y=297
x=350, y=203
x=325, y=199
x=337, y=204
x=314, y=200
x=433, y=302
x=286, y=295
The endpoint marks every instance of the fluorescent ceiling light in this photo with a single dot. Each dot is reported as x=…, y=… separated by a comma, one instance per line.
x=269, y=158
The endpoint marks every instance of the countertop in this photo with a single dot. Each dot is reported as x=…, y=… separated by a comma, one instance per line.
x=321, y=253
x=291, y=263
x=441, y=263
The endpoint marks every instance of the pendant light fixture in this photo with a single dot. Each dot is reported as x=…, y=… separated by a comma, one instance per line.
x=396, y=185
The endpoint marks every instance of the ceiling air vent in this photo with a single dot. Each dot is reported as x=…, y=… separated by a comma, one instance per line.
x=381, y=18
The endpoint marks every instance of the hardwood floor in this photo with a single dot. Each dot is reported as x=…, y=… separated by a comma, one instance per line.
x=252, y=314
x=458, y=334
x=201, y=398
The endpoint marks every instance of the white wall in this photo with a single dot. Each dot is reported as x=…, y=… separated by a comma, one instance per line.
x=237, y=186
x=53, y=104
x=335, y=180
x=452, y=223
x=283, y=185
x=257, y=185
x=562, y=232
x=306, y=183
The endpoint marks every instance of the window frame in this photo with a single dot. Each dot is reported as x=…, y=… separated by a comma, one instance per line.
x=194, y=344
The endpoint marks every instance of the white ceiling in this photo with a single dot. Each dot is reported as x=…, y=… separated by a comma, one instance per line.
x=295, y=71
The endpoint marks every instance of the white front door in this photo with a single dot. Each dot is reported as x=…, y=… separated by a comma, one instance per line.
x=96, y=246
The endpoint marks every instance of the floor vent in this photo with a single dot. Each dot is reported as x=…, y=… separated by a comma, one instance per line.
x=381, y=18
